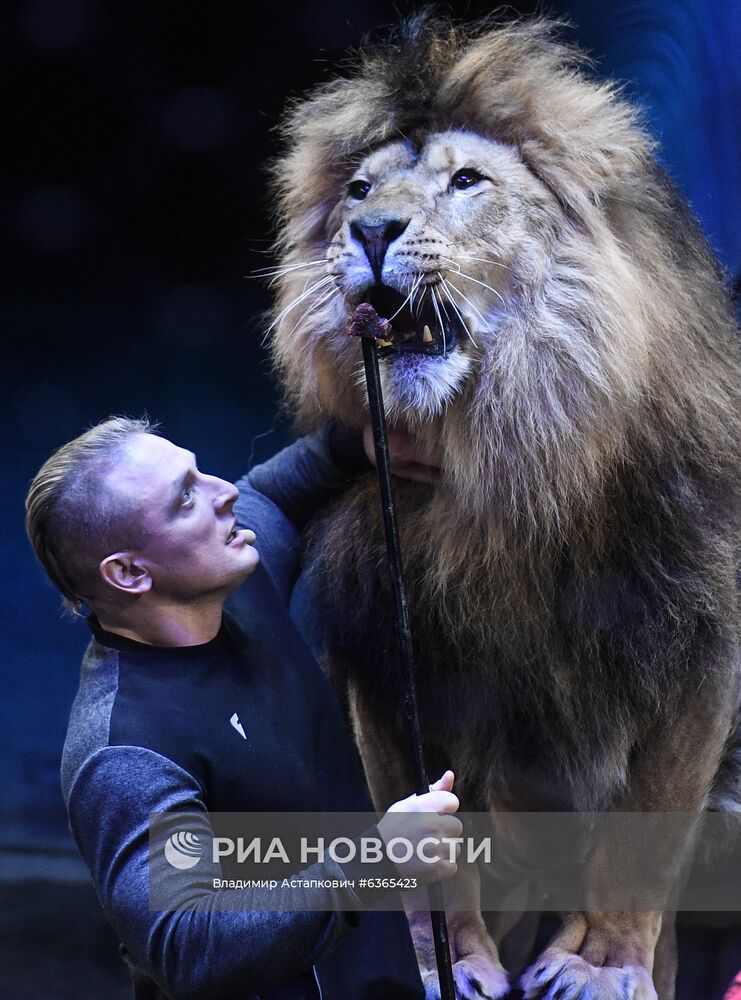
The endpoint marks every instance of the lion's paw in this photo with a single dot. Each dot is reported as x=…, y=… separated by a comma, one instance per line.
x=477, y=972
x=476, y=977
x=560, y=975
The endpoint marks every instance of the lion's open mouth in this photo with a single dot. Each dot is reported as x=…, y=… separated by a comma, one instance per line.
x=423, y=328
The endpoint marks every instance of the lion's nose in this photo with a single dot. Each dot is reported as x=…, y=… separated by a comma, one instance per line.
x=375, y=238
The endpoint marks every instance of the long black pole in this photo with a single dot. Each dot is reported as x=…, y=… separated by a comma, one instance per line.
x=404, y=633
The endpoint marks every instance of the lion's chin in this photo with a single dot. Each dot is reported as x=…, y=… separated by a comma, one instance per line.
x=416, y=385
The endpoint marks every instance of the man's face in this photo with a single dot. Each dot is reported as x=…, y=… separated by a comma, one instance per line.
x=190, y=548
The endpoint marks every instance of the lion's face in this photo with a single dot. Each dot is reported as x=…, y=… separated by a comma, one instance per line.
x=475, y=208
x=553, y=313
x=438, y=238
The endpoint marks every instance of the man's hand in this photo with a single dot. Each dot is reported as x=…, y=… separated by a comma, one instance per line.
x=408, y=460
x=435, y=821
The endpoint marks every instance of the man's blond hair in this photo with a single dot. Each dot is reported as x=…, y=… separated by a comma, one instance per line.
x=74, y=517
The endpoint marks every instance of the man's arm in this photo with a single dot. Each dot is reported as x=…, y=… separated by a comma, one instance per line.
x=304, y=476
x=201, y=946
x=199, y=952
x=278, y=498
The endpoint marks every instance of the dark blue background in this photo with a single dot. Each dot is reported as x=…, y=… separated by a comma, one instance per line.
x=135, y=204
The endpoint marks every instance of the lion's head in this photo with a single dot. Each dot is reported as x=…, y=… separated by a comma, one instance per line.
x=554, y=312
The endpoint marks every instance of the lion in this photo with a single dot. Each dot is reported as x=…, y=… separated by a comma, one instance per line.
x=562, y=342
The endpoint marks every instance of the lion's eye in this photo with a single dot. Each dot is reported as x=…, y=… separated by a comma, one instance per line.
x=465, y=178
x=358, y=189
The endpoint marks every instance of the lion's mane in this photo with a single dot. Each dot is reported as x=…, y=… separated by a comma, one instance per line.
x=575, y=572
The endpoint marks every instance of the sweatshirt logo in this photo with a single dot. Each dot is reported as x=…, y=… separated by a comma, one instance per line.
x=183, y=850
x=238, y=725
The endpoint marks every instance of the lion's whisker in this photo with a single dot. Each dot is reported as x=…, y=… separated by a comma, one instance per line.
x=322, y=300
x=280, y=270
x=468, y=256
x=440, y=322
x=436, y=293
x=483, y=285
x=466, y=299
x=415, y=285
x=275, y=274
x=458, y=312
x=297, y=301
x=452, y=263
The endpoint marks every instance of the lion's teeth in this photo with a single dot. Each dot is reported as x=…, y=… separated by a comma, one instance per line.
x=384, y=343
x=427, y=335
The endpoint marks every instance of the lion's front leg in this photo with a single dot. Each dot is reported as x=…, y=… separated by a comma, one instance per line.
x=597, y=955
x=627, y=955
x=602, y=954
x=477, y=971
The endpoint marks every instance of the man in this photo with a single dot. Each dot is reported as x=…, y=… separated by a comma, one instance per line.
x=185, y=707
